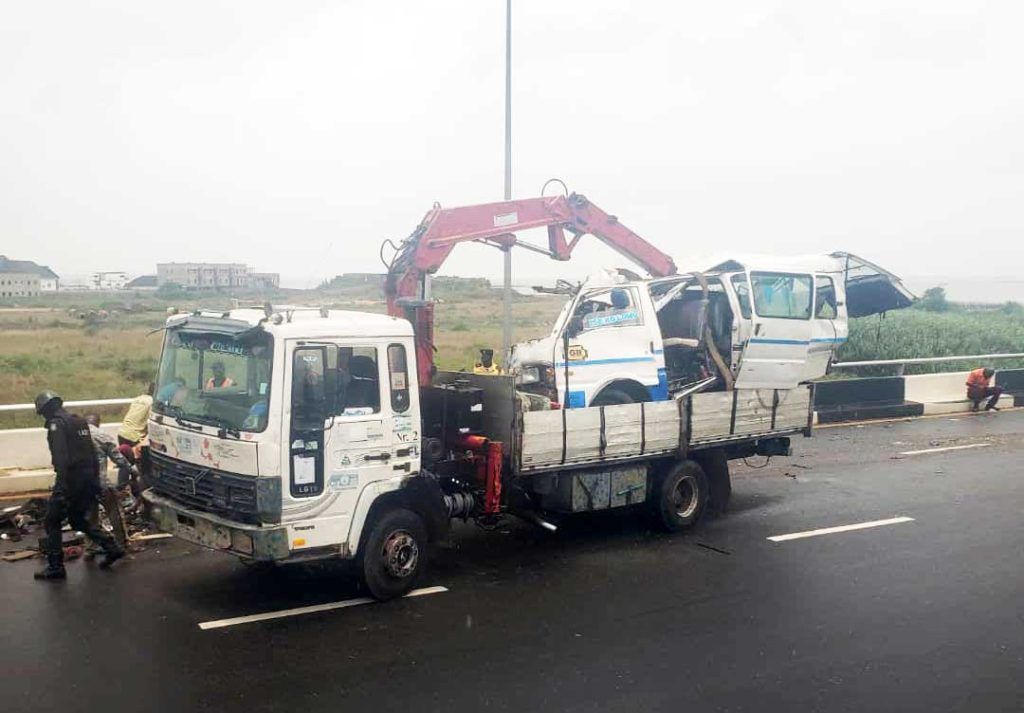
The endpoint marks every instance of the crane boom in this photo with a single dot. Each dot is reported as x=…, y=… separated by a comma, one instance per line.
x=441, y=229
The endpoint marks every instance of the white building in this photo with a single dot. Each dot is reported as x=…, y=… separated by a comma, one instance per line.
x=109, y=280
x=214, y=276
x=24, y=278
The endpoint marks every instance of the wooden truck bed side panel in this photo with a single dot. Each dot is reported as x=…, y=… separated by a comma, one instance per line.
x=598, y=434
x=550, y=440
x=756, y=412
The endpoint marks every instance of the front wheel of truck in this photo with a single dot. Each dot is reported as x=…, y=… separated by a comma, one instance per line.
x=394, y=555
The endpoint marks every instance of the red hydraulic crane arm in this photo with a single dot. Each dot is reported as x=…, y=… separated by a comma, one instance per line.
x=442, y=229
x=423, y=252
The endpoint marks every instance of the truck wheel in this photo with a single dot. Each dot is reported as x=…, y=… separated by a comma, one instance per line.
x=612, y=397
x=394, y=554
x=680, y=498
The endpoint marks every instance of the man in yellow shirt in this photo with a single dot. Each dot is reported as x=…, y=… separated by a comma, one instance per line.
x=135, y=424
x=486, y=364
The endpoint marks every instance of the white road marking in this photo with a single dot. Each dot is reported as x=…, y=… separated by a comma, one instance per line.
x=944, y=448
x=840, y=528
x=221, y=623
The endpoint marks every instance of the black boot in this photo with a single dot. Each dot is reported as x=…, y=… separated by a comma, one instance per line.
x=52, y=572
x=111, y=557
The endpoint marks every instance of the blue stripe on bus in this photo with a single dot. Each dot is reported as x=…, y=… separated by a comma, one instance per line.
x=822, y=340
x=779, y=341
x=594, y=362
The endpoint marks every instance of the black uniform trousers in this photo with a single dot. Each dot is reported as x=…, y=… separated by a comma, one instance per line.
x=75, y=507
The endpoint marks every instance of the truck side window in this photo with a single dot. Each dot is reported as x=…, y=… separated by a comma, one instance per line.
x=742, y=289
x=399, y=372
x=782, y=295
x=309, y=402
x=356, y=384
x=824, y=298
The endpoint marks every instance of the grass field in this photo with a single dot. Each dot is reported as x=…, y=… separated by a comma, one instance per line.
x=113, y=353
x=88, y=356
x=916, y=333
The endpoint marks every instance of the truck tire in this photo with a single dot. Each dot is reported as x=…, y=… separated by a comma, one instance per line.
x=612, y=397
x=394, y=555
x=680, y=498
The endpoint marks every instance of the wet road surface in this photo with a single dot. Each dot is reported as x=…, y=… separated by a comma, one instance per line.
x=921, y=614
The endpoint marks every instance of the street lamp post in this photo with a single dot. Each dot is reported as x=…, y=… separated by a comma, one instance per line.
x=506, y=331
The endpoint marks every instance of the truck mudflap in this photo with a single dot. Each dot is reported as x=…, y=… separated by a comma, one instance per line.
x=200, y=528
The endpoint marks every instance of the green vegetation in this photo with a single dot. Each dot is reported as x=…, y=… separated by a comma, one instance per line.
x=924, y=331
x=103, y=346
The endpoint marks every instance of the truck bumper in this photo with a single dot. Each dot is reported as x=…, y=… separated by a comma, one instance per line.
x=267, y=543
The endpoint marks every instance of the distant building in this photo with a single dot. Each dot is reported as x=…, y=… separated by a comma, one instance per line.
x=24, y=278
x=109, y=280
x=214, y=276
x=48, y=279
x=142, y=282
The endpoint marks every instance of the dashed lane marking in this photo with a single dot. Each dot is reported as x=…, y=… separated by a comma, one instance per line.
x=266, y=616
x=944, y=448
x=840, y=528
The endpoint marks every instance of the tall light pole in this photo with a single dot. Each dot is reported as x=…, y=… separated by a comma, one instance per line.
x=506, y=330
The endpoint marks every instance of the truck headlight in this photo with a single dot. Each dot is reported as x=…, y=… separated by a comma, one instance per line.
x=529, y=375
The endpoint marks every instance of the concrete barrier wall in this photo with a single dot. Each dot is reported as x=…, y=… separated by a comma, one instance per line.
x=25, y=448
x=1011, y=379
x=835, y=401
x=845, y=392
x=937, y=388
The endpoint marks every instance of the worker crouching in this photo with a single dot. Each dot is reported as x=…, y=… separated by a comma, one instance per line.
x=979, y=389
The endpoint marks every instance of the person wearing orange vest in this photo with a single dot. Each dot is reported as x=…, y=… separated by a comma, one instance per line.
x=978, y=389
x=219, y=380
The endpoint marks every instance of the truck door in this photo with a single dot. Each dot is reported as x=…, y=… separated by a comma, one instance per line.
x=776, y=351
x=609, y=340
x=351, y=426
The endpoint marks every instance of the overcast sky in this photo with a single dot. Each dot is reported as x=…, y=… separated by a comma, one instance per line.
x=296, y=136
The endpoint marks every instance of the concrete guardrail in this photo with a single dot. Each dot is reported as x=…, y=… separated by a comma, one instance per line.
x=25, y=459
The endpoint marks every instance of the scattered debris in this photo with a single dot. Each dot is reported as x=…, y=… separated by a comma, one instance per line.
x=19, y=555
x=154, y=536
x=714, y=549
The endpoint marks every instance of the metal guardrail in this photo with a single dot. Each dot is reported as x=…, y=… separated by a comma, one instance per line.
x=901, y=363
x=76, y=404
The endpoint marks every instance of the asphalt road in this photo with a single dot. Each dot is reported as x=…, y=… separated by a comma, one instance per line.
x=603, y=616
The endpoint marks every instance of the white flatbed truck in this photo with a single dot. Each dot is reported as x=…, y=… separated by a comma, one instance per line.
x=317, y=441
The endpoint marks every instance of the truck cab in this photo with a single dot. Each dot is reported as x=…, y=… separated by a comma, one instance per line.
x=273, y=434
x=752, y=323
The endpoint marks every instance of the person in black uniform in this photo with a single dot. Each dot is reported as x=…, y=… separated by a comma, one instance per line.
x=76, y=487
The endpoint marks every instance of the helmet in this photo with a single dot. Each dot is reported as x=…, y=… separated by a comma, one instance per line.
x=48, y=399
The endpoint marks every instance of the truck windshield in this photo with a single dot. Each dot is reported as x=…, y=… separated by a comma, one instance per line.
x=215, y=379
